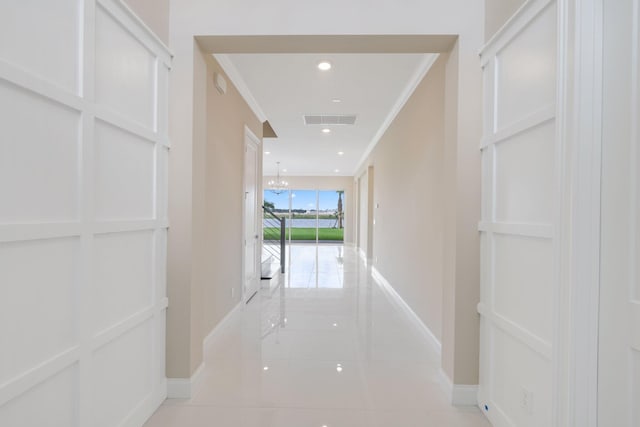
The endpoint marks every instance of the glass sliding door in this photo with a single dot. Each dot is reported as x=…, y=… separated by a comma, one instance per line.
x=304, y=213
x=311, y=215
x=331, y=216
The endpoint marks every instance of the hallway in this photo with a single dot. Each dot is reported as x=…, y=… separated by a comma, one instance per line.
x=328, y=348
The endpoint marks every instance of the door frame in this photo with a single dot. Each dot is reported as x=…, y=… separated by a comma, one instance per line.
x=363, y=208
x=371, y=215
x=251, y=139
x=579, y=94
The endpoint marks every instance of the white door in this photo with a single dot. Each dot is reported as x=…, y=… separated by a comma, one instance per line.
x=251, y=229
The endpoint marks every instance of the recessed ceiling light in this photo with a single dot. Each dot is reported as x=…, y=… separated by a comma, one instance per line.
x=267, y=152
x=336, y=100
x=266, y=368
x=324, y=66
x=337, y=170
x=340, y=153
x=326, y=130
x=284, y=170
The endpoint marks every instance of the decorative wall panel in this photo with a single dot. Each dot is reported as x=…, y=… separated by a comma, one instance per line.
x=518, y=213
x=83, y=217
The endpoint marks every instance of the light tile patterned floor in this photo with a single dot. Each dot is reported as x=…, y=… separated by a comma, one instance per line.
x=325, y=349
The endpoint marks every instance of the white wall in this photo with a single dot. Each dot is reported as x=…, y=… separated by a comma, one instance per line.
x=220, y=224
x=407, y=200
x=205, y=240
x=83, y=219
x=519, y=211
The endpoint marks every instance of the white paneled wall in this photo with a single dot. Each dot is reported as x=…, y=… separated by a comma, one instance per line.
x=517, y=228
x=83, y=218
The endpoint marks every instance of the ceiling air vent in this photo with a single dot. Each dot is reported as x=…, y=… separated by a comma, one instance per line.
x=348, y=119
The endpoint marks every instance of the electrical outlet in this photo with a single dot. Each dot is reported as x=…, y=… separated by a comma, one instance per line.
x=526, y=400
x=233, y=292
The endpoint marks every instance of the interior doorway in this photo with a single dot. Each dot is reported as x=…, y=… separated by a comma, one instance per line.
x=251, y=270
x=365, y=220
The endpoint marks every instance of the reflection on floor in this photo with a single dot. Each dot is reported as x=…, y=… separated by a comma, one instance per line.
x=325, y=349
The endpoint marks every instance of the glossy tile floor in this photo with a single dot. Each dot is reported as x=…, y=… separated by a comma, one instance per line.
x=325, y=349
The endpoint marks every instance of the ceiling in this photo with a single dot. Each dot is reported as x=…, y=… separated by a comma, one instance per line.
x=285, y=87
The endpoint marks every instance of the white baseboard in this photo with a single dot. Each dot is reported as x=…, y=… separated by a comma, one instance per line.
x=184, y=388
x=395, y=297
x=221, y=324
x=459, y=394
x=363, y=256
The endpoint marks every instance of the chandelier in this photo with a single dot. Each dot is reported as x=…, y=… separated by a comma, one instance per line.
x=278, y=186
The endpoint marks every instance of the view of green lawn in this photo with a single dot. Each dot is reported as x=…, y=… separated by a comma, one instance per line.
x=309, y=233
x=305, y=211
